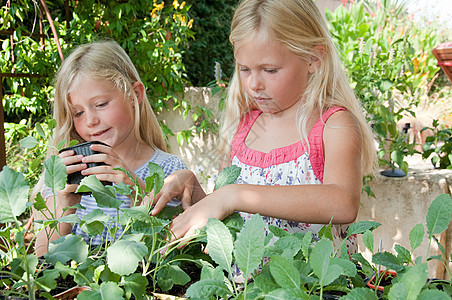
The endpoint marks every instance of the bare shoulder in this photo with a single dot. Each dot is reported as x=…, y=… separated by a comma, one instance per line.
x=342, y=128
x=342, y=118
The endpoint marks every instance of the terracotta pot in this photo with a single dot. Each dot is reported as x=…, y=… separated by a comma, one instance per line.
x=371, y=282
x=71, y=293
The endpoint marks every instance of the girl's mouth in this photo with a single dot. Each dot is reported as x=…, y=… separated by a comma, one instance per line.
x=99, y=133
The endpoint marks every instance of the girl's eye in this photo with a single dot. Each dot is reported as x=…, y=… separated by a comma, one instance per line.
x=77, y=114
x=243, y=69
x=103, y=104
x=271, y=71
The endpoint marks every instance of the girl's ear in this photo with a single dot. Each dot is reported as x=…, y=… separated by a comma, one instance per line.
x=316, y=60
x=139, y=89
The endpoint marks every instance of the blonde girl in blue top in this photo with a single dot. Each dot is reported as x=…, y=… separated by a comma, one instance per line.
x=99, y=96
x=293, y=125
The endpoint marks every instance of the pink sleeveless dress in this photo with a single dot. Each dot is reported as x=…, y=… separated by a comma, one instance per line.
x=290, y=165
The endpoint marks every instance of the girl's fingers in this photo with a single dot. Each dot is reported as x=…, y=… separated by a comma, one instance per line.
x=186, y=198
x=75, y=168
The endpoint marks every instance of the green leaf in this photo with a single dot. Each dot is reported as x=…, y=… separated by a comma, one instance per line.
x=414, y=278
x=96, y=215
x=13, y=195
x=47, y=281
x=403, y=255
x=105, y=195
x=265, y=282
x=347, y=266
x=433, y=294
x=361, y=227
x=287, y=293
x=359, y=294
x=107, y=290
x=135, y=284
x=55, y=173
x=249, y=246
x=388, y=260
x=368, y=240
x=439, y=214
x=227, y=176
x=206, y=288
x=123, y=256
x=219, y=243
x=305, y=243
x=326, y=231
x=155, y=180
x=284, y=273
x=40, y=130
x=385, y=85
x=68, y=247
x=28, y=142
x=398, y=291
x=169, y=275
x=416, y=236
x=290, y=245
x=320, y=262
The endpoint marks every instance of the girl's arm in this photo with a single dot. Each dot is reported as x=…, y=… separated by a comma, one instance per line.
x=338, y=197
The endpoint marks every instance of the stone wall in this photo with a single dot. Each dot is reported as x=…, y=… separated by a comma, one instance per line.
x=399, y=203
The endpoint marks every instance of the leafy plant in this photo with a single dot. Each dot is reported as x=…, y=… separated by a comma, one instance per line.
x=140, y=259
x=390, y=66
x=300, y=267
x=438, y=146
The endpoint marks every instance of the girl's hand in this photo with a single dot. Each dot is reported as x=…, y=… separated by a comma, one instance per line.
x=181, y=184
x=217, y=205
x=67, y=196
x=106, y=172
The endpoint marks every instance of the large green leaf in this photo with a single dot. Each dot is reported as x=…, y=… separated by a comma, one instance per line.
x=284, y=273
x=104, y=194
x=249, y=246
x=320, y=262
x=55, y=176
x=439, y=214
x=123, y=256
x=227, y=176
x=219, y=243
x=68, y=247
x=13, y=195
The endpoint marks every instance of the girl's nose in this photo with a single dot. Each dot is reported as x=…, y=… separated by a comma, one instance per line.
x=91, y=118
x=255, y=82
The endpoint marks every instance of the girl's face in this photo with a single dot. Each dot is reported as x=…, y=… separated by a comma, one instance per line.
x=101, y=113
x=271, y=74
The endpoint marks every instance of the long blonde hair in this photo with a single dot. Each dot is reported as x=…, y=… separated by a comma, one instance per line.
x=300, y=26
x=103, y=60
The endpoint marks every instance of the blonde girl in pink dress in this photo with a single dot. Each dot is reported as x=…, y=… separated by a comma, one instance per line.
x=293, y=125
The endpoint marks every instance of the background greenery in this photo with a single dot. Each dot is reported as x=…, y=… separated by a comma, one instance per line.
x=176, y=44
